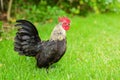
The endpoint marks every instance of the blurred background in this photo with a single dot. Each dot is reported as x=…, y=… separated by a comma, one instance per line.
x=42, y=10
x=48, y=10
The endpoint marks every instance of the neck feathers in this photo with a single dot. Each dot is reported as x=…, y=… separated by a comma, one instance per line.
x=58, y=33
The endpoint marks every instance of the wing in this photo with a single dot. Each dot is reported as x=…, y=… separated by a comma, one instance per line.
x=27, y=41
x=52, y=52
x=49, y=49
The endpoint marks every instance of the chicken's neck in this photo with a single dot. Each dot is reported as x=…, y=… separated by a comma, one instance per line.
x=58, y=33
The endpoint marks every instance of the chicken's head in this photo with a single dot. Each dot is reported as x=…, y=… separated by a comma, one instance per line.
x=65, y=22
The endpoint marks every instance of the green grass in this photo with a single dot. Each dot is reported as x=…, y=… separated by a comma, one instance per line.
x=93, y=52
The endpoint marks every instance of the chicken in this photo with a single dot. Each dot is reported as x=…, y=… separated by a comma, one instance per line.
x=27, y=42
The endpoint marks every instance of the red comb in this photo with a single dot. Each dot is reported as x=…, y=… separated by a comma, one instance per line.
x=64, y=19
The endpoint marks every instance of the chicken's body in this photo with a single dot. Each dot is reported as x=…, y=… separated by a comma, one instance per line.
x=27, y=42
x=53, y=49
x=51, y=52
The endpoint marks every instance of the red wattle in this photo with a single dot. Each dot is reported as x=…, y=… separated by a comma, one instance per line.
x=66, y=27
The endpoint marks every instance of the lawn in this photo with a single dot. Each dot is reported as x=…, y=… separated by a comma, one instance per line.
x=93, y=52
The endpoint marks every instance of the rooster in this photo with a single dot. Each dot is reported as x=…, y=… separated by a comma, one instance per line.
x=27, y=42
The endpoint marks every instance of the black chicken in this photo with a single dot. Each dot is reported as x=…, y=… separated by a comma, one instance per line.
x=27, y=42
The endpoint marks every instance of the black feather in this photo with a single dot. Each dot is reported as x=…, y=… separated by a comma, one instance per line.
x=26, y=38
x=27, y=25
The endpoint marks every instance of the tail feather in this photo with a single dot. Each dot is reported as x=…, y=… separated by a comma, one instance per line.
x=27, y=25
x=26, y=39
x=26, y=28
x=23, y=31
